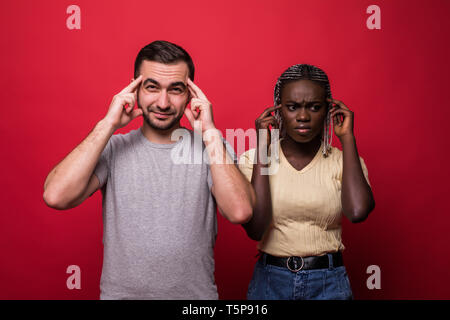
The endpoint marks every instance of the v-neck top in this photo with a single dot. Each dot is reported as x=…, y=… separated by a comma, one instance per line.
x=285, y=162
x=306, y=204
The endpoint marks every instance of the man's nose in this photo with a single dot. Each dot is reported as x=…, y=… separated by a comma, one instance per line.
x=163, y=100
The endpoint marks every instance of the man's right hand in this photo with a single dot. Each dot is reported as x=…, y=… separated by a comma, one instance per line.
x=121, y=111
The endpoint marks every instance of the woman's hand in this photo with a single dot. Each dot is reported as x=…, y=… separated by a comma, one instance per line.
x=265, y=120
x=342, y=119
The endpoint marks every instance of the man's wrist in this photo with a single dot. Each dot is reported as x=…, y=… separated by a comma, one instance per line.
x=106, y=125
x=211, y=135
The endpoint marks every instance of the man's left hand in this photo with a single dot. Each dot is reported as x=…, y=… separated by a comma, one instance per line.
x=201, y=108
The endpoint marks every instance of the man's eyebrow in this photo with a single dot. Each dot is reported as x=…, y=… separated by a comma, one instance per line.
x=178, y=83
x=151, y=80
x=174, y=84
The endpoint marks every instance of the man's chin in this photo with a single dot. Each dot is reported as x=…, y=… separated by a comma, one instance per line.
x=161, y=125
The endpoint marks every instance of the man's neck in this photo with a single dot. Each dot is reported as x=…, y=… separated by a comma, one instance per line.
x=158, y=136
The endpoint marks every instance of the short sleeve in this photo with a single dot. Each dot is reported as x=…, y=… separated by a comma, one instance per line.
x=102, y=168
x=246, y=162
x=340, y=167
x=365, y=171
x=209, y=178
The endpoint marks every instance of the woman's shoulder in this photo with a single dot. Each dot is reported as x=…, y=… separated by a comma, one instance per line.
x=248, y=156
x=335, y=153
x=336, y=157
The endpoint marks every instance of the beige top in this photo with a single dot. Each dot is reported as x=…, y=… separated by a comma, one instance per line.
x=306, y=205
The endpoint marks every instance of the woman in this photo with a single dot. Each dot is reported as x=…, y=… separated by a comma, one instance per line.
x=297, y=219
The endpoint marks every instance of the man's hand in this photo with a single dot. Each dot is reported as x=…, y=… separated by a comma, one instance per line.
x=201, y=108
x=121, y=111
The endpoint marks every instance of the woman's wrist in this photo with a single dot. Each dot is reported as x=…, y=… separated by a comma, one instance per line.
x=348, y=139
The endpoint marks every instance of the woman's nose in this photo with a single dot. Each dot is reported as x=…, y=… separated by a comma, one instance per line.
x=302, y=115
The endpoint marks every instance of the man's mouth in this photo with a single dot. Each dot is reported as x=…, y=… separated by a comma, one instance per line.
x=161, y=116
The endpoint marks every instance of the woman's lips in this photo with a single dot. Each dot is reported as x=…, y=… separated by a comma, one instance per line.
x=303, y=130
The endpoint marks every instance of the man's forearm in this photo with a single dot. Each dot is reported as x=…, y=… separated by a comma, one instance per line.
x=234, y=194
x=69, y=178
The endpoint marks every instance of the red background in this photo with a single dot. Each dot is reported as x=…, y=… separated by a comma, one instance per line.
x=57, y=84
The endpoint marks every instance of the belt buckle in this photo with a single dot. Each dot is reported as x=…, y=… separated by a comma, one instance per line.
x=295, y=267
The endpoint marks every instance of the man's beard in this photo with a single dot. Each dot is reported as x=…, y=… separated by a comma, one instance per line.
x=160, y=124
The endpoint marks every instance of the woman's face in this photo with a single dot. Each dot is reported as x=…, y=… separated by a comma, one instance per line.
x=304, y=109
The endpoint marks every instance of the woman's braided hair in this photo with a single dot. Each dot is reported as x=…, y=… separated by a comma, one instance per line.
x=306, y=72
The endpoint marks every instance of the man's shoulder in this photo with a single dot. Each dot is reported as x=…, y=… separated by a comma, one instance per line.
x=121, y=142
x=123, y=138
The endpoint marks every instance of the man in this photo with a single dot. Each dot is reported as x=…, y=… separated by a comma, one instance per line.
x=159, y=216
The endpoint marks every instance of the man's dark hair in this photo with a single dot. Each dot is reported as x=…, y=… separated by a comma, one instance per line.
x=163, y=52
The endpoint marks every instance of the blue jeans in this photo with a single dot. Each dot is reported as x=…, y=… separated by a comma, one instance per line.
x=270, y=282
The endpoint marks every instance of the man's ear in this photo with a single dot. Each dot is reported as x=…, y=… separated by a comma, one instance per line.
x=187, y=101
x=137, y=98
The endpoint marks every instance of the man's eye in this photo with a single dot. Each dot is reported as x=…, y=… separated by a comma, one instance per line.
x=150, y=87
x=177, y=90
x=316, y=107
x=291, y=107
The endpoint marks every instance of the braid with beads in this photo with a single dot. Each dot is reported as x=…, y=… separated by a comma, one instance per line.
x=306, y=72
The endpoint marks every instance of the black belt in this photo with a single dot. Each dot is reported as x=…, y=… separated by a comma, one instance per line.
x=296, y=264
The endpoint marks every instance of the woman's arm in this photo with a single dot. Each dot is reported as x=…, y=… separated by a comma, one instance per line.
x=356, y=194
x=262, y=212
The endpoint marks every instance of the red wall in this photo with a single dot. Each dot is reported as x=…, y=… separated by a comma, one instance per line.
x=57, y=84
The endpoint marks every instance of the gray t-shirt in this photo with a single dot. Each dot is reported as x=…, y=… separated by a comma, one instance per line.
x=159, y=220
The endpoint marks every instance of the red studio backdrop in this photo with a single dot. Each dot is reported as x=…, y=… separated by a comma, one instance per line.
x=57, y=83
